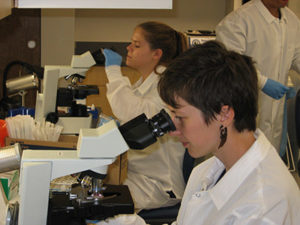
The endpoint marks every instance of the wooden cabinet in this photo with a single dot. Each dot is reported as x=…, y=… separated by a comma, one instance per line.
x=94, y=4
x=97, y=76
x=17, y=30
x=5, y=8
x=117, y=172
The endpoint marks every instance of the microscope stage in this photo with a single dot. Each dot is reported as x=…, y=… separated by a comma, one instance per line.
x=66, y=209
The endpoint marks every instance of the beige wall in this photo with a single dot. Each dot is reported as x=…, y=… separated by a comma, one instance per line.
x=117, y=25
x=57, y=35
x=60, y=28
x=5, y=8
x=295, y=6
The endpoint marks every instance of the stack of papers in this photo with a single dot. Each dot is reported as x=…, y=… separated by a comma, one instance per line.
x=9, y=187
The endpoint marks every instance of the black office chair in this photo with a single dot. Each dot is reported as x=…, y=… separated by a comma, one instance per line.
x=297, y=118
x=166, y=215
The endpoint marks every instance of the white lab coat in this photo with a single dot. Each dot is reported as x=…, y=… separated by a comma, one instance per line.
x=158, y=168
x=274, y=45
x=257, y=189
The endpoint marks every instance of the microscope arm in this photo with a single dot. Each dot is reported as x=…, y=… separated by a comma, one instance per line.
x=46, y=99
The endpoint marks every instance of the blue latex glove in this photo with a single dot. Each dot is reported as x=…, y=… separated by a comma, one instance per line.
x=112, y=58
x=291, y=93
x=274, y=89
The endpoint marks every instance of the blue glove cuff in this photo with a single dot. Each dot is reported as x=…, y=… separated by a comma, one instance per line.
x=291, y=93
x=274, y=89
x=112, y=58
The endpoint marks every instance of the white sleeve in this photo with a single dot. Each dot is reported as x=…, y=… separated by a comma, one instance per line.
x=249, y=220
x=231, y=32
x=126, y=219
x=261, y=79
x=296, y=59
x=124, y=102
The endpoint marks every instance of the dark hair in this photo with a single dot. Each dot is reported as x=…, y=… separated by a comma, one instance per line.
x=208, y=77
x=161, y=36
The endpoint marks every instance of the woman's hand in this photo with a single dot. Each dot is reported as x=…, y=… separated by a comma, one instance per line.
x=112, y=58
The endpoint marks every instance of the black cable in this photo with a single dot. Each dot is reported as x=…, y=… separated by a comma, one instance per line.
x=5, y=102
x=39, y=71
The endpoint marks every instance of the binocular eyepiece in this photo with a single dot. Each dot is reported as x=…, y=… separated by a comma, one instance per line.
x=161, y=123
x=141, y=132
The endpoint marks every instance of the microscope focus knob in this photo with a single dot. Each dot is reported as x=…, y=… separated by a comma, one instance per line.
x=52, y=117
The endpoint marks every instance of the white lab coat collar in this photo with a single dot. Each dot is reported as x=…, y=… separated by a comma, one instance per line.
x=236, y=175
x=283, y=15
x=144, y=87
x=266, y=13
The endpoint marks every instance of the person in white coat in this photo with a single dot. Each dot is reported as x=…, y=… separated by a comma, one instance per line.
x=154, y=174
x=214, y=110
x=269, y=32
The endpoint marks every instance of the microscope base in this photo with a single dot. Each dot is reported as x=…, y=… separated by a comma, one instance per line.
x=63, y=211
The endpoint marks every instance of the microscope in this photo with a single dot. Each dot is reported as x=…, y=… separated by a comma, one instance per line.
x=96, y=149
x=51, y=96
